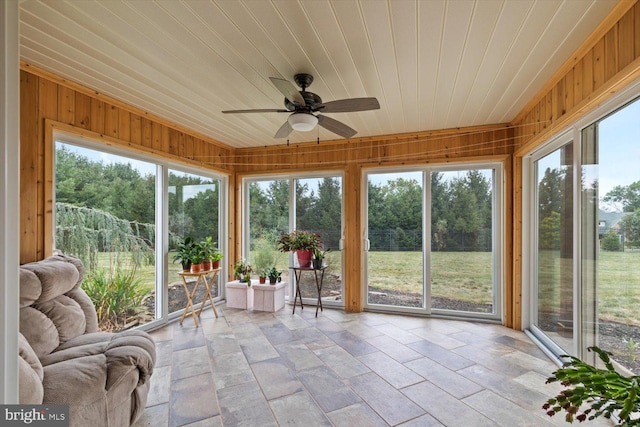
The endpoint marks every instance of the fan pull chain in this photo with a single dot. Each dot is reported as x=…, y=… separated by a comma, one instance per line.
x=287, y=142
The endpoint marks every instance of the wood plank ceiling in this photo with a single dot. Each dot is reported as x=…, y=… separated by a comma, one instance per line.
x=432, y=64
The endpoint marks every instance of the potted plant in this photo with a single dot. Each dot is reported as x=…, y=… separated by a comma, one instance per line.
x=183, y=253
x=318, y=258
x=197, y=256
x=262, y=276
x=215, y=256
x=605, y=391
x=207, y=246
x=302, y=242
x=274, y=275
x=242, y=270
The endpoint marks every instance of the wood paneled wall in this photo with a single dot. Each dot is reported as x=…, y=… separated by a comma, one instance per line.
x=603, y=65
x=483, y=143
x=415, y=148
x=606, y=62
x=46, y=97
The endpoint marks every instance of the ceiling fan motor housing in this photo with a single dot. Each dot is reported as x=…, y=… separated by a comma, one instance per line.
x=312, y=102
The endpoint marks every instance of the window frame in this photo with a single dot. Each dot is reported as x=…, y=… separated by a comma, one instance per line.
x=498, y=262
x=162, y=165
x=292, y=177
x=529, y=289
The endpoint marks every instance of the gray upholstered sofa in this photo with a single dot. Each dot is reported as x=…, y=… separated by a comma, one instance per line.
x=103, y=377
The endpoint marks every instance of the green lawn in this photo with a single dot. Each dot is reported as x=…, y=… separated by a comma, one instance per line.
x=463, y=276
x=466, y=276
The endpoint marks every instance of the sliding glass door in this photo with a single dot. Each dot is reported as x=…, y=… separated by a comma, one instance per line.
x=194, y=212
x=584, y=239
x=395, y=256
x=286, y=203
x=433, y=241
x=552, y=246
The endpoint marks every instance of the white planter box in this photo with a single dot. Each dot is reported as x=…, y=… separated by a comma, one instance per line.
x=268, y=297
x=239, y=295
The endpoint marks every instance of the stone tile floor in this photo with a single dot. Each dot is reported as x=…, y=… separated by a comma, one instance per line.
x=278, y=369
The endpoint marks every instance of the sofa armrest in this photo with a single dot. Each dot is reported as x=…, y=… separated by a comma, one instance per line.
x=128, y=351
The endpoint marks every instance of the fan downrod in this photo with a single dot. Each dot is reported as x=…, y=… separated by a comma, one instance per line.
x=303, y=80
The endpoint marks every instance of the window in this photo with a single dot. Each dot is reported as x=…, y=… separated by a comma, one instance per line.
x=434, y=240
x=283, y=204
x=585, y=263
x=194, y=212
x=110, y=212
x=105, y=213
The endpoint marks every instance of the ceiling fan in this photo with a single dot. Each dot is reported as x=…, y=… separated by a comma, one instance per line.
x=302, y=104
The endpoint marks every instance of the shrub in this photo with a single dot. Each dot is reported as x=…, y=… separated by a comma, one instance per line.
x=117, y=296
x=611, y=242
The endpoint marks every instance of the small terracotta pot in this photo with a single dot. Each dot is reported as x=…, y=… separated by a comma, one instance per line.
x=206, y=265
x=215, y=264
x=196, y=268
x=263, y=280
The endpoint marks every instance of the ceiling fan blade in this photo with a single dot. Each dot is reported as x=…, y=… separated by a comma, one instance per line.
x=288, y=90
x=284, y=130
x=336, y=126
x=259, y=110
x=350, y=104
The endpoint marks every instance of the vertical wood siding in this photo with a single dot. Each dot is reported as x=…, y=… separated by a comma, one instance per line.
x=47, y=98
x=606, y=63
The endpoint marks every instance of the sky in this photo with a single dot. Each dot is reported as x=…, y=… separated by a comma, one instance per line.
x=619, y=148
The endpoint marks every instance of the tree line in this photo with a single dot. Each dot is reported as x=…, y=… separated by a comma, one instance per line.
x=93, y=198
x=555, y=195
x=461, y=212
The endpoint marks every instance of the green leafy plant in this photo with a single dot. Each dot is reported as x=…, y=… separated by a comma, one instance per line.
x=242, y=270
x=273, y=274
x=605, y=391
x=319, y=254
x=210, y=249
x=198, y=254
x=184, y=251
x=215, y=255
x=299, y=240
x=117, y=296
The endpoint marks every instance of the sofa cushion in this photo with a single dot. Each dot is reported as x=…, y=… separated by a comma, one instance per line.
x=30, y=287
x=66, y=314
x=39, y=330
x=56, y=277
x=30, y=373
x=85, y=303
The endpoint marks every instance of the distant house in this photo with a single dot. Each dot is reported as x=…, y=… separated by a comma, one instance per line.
x=610, y=221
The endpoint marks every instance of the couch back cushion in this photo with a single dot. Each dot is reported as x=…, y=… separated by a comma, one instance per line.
x=53, y=277
x=53, y=309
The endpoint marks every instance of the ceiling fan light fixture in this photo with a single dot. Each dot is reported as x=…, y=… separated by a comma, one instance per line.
x=303, y=121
